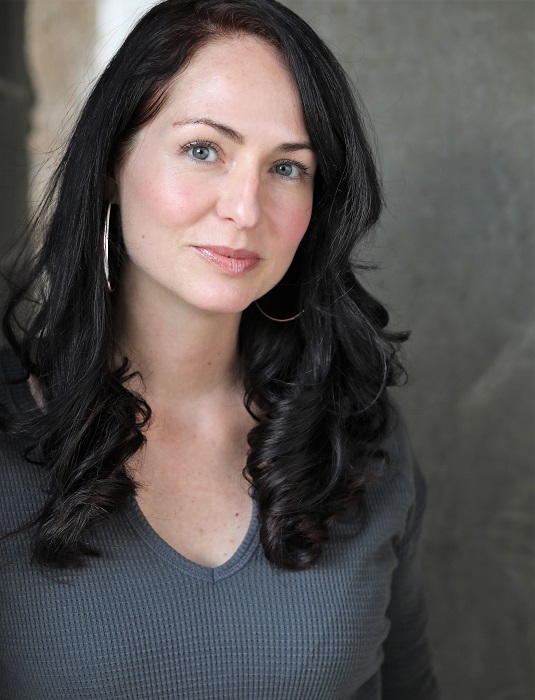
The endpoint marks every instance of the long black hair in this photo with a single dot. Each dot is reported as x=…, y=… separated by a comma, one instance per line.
x=316, y=386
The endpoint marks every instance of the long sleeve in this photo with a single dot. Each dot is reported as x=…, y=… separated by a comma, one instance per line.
x=407, y=672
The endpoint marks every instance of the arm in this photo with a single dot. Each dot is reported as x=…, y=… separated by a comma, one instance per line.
x=406, y=671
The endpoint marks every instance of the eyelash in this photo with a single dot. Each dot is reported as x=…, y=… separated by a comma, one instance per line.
x=199, y=144
x=305, y=170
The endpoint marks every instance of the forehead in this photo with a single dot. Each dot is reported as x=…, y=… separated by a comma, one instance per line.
x=241, y=76
x=222, y=51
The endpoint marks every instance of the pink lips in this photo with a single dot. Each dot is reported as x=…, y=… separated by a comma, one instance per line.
x=231, y=260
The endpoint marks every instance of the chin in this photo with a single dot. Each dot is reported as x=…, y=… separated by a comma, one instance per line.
x=225, y=307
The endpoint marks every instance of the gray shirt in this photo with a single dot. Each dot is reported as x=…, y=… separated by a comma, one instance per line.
x=144, y=622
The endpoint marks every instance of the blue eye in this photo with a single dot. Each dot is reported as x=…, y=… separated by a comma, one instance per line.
x=290, y=170
x=202, y=151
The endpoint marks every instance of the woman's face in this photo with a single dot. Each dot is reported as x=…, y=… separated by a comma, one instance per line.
x=216, y=191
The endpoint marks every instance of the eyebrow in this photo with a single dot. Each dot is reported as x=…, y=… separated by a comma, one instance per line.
x=238, y=138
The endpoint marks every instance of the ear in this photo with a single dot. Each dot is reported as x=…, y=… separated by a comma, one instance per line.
x=112, y=190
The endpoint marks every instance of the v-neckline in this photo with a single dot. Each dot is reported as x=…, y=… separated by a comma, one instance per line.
x=164, y=550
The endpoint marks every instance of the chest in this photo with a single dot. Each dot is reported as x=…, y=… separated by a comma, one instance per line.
x=138, y=625
x=193, y=494
x=204, y=526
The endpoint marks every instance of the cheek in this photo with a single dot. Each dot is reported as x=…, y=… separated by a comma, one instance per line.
x=293, y=223
x=154, y=204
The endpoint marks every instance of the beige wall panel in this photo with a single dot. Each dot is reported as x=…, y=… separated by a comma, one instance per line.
x=60, y=37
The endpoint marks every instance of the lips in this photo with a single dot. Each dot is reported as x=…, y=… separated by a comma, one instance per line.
x=234, y=261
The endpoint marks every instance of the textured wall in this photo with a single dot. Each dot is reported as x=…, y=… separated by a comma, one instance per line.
x=449, y=86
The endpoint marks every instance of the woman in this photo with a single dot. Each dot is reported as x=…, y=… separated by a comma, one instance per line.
x=222, y=501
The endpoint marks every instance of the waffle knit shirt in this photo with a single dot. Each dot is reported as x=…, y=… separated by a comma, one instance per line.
x=142, y=622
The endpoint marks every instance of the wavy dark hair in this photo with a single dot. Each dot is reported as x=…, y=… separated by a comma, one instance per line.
x=316, y=386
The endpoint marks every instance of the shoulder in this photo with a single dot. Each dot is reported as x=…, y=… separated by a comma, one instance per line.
x=15, y=396
x=399, y=496
x=21, y=492
x=402, y=464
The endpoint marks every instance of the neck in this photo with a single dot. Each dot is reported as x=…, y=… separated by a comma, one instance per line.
x=181, y=352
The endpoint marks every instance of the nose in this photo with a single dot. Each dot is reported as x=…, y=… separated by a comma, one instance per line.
x=239, y=197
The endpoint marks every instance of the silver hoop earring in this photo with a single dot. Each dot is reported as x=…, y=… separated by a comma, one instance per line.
x=105, y=246
x=278, y=320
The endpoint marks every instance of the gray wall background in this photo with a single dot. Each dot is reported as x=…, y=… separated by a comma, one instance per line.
x=449, y=88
